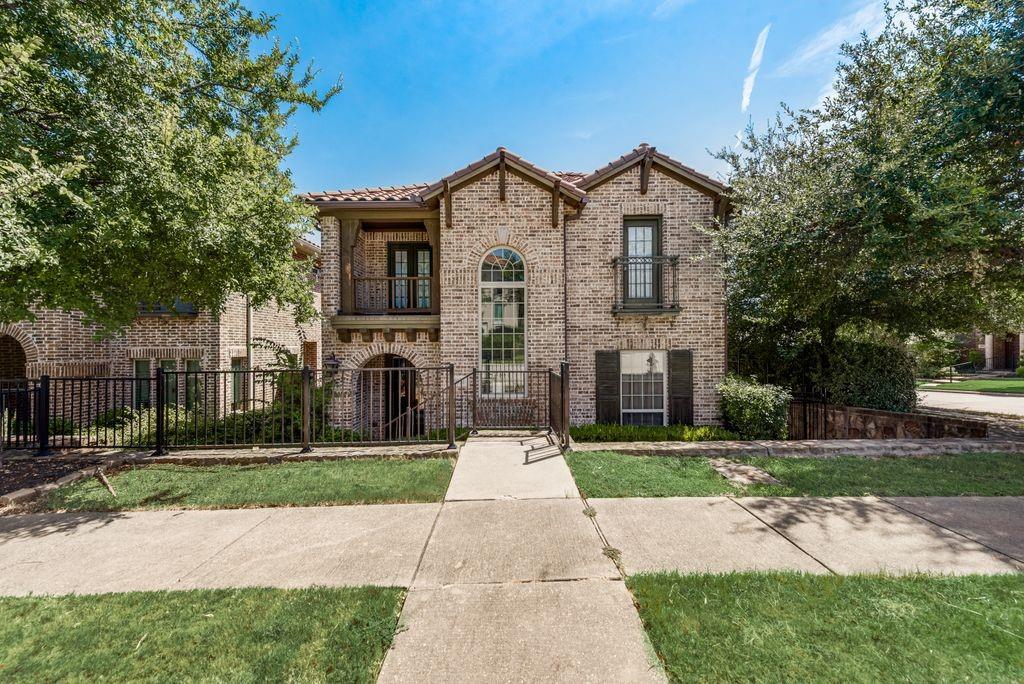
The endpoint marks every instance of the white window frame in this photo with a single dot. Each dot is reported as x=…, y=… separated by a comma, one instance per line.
x=664, y=385
x=481, y=285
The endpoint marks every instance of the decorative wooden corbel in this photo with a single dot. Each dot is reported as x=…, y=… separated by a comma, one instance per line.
x=447, y=205
x=555, y=193
x=501, y=175
x=645, y=169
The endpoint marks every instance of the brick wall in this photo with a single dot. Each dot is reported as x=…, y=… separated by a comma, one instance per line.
x=595, y=238
x=480, y=223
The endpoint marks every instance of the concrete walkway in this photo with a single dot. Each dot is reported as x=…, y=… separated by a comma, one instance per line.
x=511, y=577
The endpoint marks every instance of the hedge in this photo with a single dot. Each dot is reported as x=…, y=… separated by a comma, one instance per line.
x=753, y=410
x=611, y=432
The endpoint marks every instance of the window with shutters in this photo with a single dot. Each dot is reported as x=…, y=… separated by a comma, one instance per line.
x=642, y=387
x=503, y=323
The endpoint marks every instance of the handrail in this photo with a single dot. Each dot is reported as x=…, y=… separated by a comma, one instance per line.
x=657, y=275
x=393, y=294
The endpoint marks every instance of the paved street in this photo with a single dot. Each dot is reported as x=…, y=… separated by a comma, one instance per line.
x=1011, y=405
x=514, y=580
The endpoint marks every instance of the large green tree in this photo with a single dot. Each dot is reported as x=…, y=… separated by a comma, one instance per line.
x=140, y=157
x=896, y=205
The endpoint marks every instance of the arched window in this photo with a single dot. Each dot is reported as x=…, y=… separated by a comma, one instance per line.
x=503, y=322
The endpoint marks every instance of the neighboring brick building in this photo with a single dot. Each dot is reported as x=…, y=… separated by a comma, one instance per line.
x=507, y=268
x=61, y=344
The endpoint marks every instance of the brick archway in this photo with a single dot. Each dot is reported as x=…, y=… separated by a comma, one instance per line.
x=366, y=354
x=12, y=358
x=28, y=345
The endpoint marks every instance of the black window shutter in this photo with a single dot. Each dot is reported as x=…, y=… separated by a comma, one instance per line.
x=606, y=388
x=680, y=387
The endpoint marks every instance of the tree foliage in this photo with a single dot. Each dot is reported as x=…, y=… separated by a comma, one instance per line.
x=897, y=203
x=140, y=152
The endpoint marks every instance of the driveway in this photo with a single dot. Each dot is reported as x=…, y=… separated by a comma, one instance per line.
x=1006, y=404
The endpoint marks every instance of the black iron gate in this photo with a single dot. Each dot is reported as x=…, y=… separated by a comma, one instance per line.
x=489, y=399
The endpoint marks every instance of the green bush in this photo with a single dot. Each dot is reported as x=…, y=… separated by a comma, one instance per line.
x=977, y=358
x=753, y=410
x=870, y=375
x=1020, y=370
x=933, y=356
x=611, y=432
x=115, y=417
x=61, y=426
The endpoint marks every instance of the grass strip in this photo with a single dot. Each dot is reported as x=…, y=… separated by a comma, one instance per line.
x=308, y=483
x=807, y=628
x=300, y=635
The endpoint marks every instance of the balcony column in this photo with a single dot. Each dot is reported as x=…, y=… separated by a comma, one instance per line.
x=989, y=351
x=433, y=226
x=349, y=232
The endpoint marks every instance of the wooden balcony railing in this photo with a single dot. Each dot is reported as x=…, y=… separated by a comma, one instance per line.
x=393, y=295
x=646, y=284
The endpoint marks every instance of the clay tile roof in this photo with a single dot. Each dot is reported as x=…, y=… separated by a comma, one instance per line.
x=389, y=193
x=571, y=176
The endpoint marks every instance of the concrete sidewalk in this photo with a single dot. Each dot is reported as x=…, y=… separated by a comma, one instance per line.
x=59, y=553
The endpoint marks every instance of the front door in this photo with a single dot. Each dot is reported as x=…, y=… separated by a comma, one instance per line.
x=409, y=274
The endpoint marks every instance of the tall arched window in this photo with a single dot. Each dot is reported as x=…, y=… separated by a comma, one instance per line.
x=503, y=322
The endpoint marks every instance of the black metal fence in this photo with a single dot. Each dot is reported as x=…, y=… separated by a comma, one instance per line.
x=808, y=415
x=303, y=408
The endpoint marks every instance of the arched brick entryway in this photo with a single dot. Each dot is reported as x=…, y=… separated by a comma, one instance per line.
x=12, y=358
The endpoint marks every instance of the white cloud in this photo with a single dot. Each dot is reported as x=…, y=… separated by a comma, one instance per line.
x=820, y=51
x=666, y=7
x=758, y=53
x=754, y=66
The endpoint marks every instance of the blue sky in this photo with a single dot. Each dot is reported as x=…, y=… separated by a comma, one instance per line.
x=430, y=86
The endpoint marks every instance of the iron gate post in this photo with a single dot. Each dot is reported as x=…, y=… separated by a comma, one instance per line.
x=307, y=407
x=451, y=405
x=472, y=406
x=161, y=437
x=565, y=404
x=43, y=416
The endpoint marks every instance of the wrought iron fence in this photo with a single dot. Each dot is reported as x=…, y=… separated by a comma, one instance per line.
x=18, y=413
x=808, y=415
x=303, y=408
x=646, y=282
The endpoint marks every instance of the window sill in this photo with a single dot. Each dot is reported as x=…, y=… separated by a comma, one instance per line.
x=645, y=309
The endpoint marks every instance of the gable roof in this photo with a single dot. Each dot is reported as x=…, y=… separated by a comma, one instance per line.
x=574, y=184
x=511, y=159
x=638, y=155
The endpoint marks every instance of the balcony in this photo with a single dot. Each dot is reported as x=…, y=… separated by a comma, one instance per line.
x=646, y=285
x=393, y=295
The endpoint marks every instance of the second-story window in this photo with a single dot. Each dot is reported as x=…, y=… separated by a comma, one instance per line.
x=641, y=245
x=409, y=272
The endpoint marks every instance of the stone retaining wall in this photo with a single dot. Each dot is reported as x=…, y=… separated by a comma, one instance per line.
x=816, y=421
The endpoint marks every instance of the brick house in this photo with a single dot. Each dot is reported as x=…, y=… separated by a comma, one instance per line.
x=61, y=344
x=507, y=268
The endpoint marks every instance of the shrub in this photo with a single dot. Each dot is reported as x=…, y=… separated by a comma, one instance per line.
x=870, y=375
x=115, y=417
x=753, y=410
x=611, y=432
x=977, y=358
x=934, y=355
x=1020, y=370
x=61, y=426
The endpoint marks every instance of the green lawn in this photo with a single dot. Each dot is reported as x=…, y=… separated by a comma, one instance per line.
x=949, y=475
x=790, y=627
x=609, y=474
x=309, y=483
x=249, y=635
x=1002, y=385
